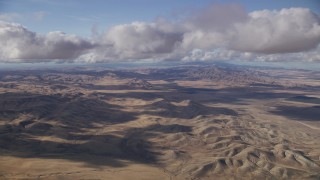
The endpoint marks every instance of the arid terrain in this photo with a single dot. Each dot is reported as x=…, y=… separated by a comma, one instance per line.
x=184, y=122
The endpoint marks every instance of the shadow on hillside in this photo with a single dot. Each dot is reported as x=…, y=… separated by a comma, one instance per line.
x=311, y=113
x=94, y=150
x=229, y=95
x=62, y=128
x=305, y=99
x=78, y=112
x=66, y=128
x=190, y=110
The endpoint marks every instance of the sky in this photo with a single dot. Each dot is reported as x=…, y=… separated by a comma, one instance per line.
x=37, y=31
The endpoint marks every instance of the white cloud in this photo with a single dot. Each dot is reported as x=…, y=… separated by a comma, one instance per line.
x=229, y=55
x=142, y=40
x=20, y=44
x=218, y=32
x=284, y=31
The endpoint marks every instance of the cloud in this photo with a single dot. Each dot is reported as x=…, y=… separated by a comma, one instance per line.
x=269, y=32
x=217, y=32
x=284, y=31
x=20, y=44
x=135, y=41
x=216, y=17
x=230, y=55
x=142, y=40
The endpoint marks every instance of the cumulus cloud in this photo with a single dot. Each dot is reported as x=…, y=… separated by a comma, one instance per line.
x=287, y=30
x=269, y=32
x=20, y=44
x=135, y=41
x=226, y=54
x=142, y=40
x=217, y=32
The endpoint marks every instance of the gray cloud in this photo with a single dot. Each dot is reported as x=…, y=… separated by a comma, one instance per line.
x=229, y=55
x=285, y=31
x=217, y=32
x=216, y=17
x=20, y=44
x=142, y=40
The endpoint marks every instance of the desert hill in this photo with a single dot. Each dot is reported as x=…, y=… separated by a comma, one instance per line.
x=201, y=122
